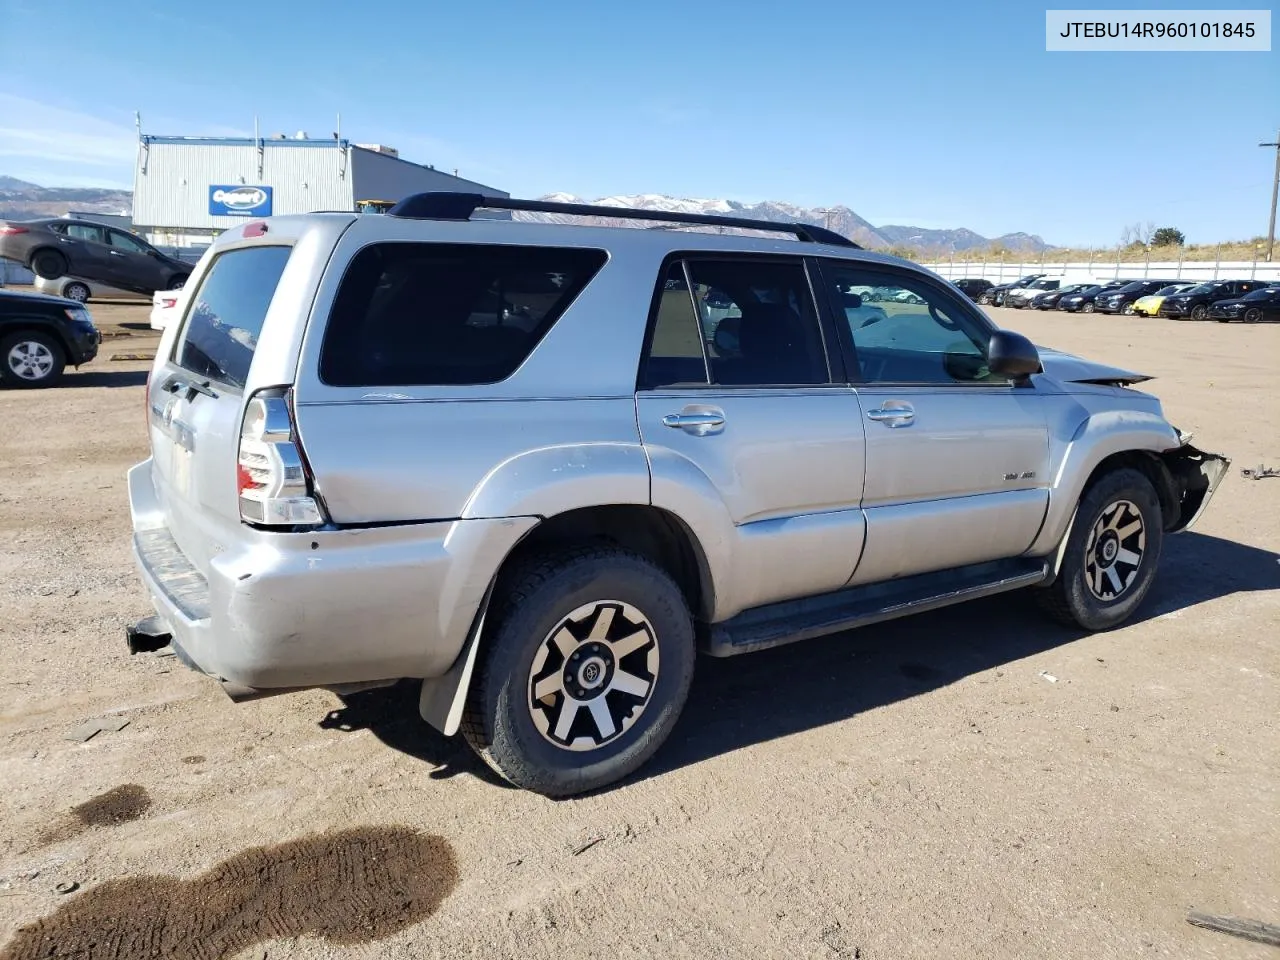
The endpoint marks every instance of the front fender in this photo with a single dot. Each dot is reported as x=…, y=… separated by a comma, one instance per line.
x=1096, y=437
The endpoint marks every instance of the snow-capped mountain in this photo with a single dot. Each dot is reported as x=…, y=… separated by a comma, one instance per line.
x=838, y=218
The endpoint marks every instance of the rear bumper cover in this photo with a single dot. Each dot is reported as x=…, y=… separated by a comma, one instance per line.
x=323, y=607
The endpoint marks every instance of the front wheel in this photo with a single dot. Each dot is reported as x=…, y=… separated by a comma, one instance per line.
x=1253, y=315
x=1111, y=555
x=1088, y=308
x=586, y=670
x=1127, y=310
x=77, y=291
x=178, y=282
x=1199, y=312
x=31, y=359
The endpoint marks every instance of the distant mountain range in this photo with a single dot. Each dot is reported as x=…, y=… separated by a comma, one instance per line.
x=838, y=218
x=22, y=200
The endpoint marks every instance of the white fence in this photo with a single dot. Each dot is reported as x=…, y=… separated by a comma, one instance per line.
x=1102, y=270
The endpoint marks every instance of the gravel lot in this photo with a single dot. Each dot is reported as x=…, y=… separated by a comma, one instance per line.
x=974, y=782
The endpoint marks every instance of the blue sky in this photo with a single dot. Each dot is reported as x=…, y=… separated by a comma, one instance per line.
x=933, y=114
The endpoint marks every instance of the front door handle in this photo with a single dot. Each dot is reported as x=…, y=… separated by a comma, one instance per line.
x=682, y=421
x=893, y=414
x=116, y=253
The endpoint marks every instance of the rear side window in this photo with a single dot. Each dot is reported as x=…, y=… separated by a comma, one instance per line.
x=412, y=314
x=226, y=313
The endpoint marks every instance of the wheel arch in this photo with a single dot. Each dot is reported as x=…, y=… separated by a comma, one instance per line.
x=39, y=325
x=652, y=532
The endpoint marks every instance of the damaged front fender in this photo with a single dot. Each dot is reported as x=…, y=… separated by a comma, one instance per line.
x=1195, y=475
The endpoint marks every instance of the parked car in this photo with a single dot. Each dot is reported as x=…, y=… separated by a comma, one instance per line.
x=164, y=306
x=91, y=251
x=1019, y=297
x=82, y=291
x=40, y=335
x=995, y=295
x=974, y=287
x=1122, y=299
x=1084, y=301
x=1048, y=299
x=1255, y=307
x=1149, y=305
x=1194, y=304
x=549, y=551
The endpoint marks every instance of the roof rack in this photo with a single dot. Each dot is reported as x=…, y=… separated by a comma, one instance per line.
x=448, y=205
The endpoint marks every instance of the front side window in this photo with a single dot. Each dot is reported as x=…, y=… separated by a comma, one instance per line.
x=417, y=314
x=906, y=330
x=226, y=313
x=122, y=241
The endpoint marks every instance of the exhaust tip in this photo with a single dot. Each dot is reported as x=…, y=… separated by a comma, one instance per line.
x=147, y=636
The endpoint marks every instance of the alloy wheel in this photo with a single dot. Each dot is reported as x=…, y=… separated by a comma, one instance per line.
x=593, y=675
x=30, y=360
x=1114, y=551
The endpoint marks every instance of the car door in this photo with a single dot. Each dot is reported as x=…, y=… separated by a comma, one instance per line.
x=956, y=459
x=749, y=436
x=133, y=265
x=85, y=247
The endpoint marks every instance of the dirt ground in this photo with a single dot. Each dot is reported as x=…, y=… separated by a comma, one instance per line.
x=975, y=782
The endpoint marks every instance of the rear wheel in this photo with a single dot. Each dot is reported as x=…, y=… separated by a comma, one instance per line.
x=49, y=264
x=31, y=359
x=1199, y=312
x=177, y=283
x=1111, y=555
x=587, y=668
x=76, y=291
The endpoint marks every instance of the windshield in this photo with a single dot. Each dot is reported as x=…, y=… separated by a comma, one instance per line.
x=1165, y=291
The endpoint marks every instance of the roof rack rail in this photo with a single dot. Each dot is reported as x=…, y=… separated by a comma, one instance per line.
x=448, y=205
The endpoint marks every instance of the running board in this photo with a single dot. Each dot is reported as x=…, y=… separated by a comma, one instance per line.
x=791, y=620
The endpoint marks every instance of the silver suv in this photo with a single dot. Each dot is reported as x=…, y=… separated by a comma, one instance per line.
x=538, y=465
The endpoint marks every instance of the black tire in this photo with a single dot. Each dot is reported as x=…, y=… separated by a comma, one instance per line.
x=43, y=364
x=49, y=264
x=1127, y=309
x=1253, y=315
x=76, y=291
x=1113, y=498
x=533, y=607
x=984, y=299
x=1088, y=308
x=1199, y=312
x=178, y=282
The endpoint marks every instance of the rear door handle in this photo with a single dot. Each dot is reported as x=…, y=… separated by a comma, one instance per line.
x=893, y=415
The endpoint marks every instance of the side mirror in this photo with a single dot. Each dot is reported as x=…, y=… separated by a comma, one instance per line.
x=851, y=301
x=1012, y=355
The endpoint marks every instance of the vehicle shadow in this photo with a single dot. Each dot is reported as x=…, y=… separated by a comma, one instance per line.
x=105, y=378
x=741, y=701
x=391, y=715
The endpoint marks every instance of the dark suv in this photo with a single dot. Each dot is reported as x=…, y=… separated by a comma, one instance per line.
x=40, y=335
x=91, y=251
x=973, y=287
x=1195, y=303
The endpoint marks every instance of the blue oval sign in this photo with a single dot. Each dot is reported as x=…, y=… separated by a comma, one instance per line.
x=234, y=200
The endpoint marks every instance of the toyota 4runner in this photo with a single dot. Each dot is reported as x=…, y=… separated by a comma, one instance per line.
x=538, y=465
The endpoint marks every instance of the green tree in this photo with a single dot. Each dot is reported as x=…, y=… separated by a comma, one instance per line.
x=1168, y=237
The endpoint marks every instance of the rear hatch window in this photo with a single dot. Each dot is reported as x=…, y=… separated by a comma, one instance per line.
x=226, y=313
x=427, y=314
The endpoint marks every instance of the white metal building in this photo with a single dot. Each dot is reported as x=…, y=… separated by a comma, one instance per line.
x=189, y=189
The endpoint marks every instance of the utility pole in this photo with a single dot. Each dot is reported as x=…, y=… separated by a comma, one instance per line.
x=1275, y=193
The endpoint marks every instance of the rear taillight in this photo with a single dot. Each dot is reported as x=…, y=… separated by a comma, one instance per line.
x=9, y=231
x=272, y=480
x=168, y=302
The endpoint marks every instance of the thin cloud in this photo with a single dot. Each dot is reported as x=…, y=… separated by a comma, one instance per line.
x=37, y=132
